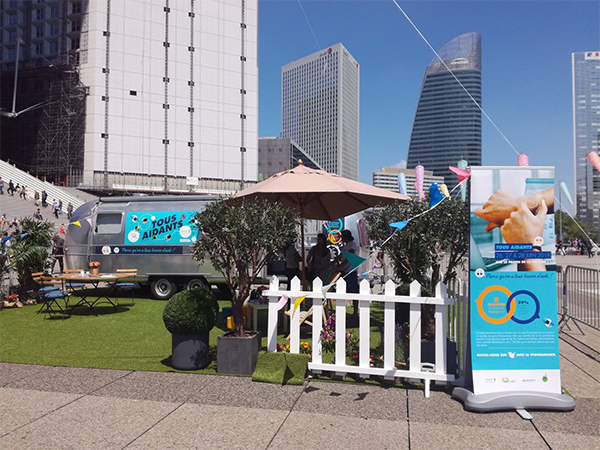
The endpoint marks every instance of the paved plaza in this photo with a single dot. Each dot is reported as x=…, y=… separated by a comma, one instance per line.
x=47, y=408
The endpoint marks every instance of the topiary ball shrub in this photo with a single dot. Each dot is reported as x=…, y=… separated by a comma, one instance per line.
x=191, y=312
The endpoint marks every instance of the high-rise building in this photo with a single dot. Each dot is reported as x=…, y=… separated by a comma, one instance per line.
x=447, y=124
x=387, y=178
x=279, y=154
x=164, y=93
x=586, y=135
x=320, y=108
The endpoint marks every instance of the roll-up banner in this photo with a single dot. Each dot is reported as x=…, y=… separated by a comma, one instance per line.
x=514, y=335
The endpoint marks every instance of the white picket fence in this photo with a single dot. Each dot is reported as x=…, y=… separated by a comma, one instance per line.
x=416, y=369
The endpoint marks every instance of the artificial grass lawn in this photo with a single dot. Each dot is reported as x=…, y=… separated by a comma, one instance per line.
x=131, y=338
x=281, y=368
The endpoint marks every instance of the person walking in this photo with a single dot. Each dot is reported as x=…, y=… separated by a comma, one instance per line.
x=55, y=208
x=69, y=211
x=60, y=211
x=1, y=186
x=11, y=188
x=44, y=198
x=23, y=193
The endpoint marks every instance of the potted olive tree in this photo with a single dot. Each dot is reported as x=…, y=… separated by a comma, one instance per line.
x=239, y=239
x=189, y=316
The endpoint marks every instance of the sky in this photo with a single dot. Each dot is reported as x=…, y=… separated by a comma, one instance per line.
x=526, y=68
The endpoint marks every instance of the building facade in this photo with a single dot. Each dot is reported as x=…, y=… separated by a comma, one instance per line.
x=447, y=124
x=387, y=178
x=171, y=87
x=279, y=154
x=320, y=108
x=586, y=135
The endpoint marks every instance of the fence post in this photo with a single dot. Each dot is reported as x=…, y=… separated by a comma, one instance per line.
x=440, y=330
x=295, y=318
x=273, y=317
x=415, y=328
x=317, y=347
x=389, y=328
x=364, y=334
x=340, y=325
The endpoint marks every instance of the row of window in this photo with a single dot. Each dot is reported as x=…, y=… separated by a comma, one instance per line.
x=40, y=49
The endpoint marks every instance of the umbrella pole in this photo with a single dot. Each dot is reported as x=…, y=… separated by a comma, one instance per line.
x=303, y=274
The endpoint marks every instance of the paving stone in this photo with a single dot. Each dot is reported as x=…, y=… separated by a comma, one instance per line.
x=157, y=386
x=89, y=423
x=567, y=441
x=427, y=436
x=243, y=392
x=371, y=402
x=307, y=430
x=68, y=379
x=584, y=420
x=212, y=427
x=578, y=383
x=21, y=407
x=10, y=372
x=441, y=408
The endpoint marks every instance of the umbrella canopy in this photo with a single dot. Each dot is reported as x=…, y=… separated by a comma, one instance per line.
x=317, y=194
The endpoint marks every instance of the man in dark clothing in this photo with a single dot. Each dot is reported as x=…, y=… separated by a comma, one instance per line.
x=44, y=198
x=58, y=251
x=11, y=188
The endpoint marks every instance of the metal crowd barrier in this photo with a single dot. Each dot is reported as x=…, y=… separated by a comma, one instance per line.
x=580, y=295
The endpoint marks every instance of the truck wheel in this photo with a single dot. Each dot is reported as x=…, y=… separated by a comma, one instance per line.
x=198, y=283
x=162, y=288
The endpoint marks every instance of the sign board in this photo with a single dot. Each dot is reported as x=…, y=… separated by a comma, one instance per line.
x=513, y=301
x=160, y=228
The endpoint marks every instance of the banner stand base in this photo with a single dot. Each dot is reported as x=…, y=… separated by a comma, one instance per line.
x=502, y=401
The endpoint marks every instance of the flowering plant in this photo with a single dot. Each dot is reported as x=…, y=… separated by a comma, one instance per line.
x=94, y=264
x=304, y=348
x=328, y=335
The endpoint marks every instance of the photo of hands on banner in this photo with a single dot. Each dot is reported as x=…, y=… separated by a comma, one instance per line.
x=512, y=220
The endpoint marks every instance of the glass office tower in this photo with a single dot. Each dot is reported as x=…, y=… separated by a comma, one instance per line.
x=447, y=124
x=320, y=108
x=586, y=134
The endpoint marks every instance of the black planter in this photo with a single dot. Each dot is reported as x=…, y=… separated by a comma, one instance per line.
x=237, y=355
x=428, y=354
x=189, y=351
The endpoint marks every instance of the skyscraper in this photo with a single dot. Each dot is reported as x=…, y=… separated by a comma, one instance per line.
x=320, y=108
x=447, y=124
x=165, y=92
x=586, y=134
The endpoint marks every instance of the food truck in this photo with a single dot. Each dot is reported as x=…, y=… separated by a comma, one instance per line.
x=154, y=235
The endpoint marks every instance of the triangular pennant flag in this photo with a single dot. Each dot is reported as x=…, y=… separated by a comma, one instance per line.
x=399, y=225
x=77, y=222
x=565, y=190
x=23, y=236
x=297, y=303
x=353, y=259
x=462, y=174
x=89, y=220
x=281, y=303
x=444, y=190
x=435, y=196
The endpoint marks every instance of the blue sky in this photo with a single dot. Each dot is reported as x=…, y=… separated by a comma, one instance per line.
x=526, y=73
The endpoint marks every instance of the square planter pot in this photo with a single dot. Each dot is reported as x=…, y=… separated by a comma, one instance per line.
x=428, y=354
x=237, y=355
x=189, y=351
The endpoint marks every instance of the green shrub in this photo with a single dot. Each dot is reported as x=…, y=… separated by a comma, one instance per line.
x=191, y=312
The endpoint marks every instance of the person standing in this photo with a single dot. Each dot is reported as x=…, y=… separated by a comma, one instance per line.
x=319, y=258
x=44, y=198
x=69, y=211
x=36, y=198
x=292, y=260
x=60, y=211
x=58, y=251
x=1, y=186
x=23, y=193
x=348, y=272
x=55, y=208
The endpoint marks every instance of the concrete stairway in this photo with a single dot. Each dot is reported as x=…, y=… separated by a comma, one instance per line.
x=10, y=172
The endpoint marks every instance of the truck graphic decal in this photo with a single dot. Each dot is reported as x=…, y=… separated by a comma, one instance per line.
x=160, y=228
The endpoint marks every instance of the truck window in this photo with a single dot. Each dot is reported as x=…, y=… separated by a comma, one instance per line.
x=108, y=223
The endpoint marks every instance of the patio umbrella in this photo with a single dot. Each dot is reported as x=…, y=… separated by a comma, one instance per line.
x=317, y=194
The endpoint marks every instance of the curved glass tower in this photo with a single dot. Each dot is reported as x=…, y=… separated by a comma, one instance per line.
x=447, y=123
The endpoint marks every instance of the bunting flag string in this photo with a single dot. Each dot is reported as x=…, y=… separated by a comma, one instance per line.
x=281, y=303
x=297, y=304
x=353, y=259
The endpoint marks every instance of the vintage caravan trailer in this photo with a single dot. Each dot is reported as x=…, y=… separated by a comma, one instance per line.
x=154, y=235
